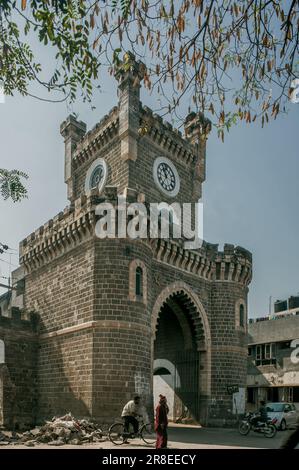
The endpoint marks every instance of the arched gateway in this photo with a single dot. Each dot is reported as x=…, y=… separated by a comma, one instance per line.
x=182, y=352
x=114, y=312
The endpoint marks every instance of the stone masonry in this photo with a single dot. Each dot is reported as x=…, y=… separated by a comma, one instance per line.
x=18, y=380
x=98, y=337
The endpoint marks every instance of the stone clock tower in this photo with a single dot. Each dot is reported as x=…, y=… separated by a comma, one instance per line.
x=124, y=316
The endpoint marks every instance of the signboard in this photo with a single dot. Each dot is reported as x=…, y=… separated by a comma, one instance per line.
x=232, y=389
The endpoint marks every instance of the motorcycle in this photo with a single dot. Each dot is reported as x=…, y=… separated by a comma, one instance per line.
x=249, y=423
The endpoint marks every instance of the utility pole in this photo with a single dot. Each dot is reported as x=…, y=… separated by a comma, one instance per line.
x=270, y=304
x=9, y=279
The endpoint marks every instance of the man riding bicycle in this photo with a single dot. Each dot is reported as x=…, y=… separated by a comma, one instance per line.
x=131, y=411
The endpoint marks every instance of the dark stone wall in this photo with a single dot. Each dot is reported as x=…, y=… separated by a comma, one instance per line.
x=122, y=335
x=62, y=292
x=65, y=375
x=18, y=374
x=118, y=170
x=141, y=174
x=229, y=349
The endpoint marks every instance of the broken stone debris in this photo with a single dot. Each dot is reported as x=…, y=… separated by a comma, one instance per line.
x=59, y=431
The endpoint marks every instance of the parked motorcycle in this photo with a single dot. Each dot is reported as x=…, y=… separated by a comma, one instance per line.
x=248, y=423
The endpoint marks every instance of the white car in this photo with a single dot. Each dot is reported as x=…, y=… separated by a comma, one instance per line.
x=285, y=413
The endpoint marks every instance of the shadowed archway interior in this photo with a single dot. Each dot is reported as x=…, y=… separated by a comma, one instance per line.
x=179, y=337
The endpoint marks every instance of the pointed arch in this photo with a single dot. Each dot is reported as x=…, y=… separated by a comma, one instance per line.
x=177, y=288
x=196, y=312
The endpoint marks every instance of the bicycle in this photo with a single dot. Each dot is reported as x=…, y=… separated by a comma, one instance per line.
x=118, y=436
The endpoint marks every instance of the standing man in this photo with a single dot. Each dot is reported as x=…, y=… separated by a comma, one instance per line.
x=161, y=423
x=131, y=411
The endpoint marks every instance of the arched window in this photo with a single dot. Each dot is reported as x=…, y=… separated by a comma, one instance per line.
x=242, y=316
x=139, y=282
x=2, y=352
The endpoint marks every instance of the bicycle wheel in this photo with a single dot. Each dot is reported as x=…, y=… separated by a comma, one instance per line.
x=116, y=433
x=244, y=428
x=270, y=430
x=147, y=434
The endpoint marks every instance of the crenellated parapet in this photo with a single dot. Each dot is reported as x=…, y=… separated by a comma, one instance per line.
x=76, y=224
x=198, y=262
x=167, y=138
x=189, y=148
x=128, y=128
x=234, y=264
x=151, y=125
x=19, y=320
x=61, y=234
x=80, y=145
x=97, y=138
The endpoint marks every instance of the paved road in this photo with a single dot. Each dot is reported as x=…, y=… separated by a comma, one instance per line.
x=218, y=438
x=191, y=437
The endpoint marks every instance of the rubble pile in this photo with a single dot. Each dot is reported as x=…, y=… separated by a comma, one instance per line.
x=59, y=431
x=7, y=437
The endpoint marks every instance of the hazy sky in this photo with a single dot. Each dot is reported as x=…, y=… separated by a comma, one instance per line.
x=251, y=193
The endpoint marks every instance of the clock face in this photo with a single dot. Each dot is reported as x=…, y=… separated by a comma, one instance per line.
x=166, y=176
x=96, y=175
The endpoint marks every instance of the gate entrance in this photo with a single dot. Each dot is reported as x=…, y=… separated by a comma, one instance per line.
x=186, y=386
x=181, y=369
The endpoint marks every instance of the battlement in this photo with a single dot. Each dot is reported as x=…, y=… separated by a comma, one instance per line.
x=101, y=134
x=77, y=223
x=206, y=262
x=234, y=264
x=165, y=135
x=130, y=121
x=61, y=233
x=151, y=125
x=236, y=251
x=19, y=320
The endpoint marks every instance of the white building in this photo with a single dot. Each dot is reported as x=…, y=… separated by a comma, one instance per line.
x=273, y=356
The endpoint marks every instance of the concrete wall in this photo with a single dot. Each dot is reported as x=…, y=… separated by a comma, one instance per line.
x=268, y=331
x=283, y=373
